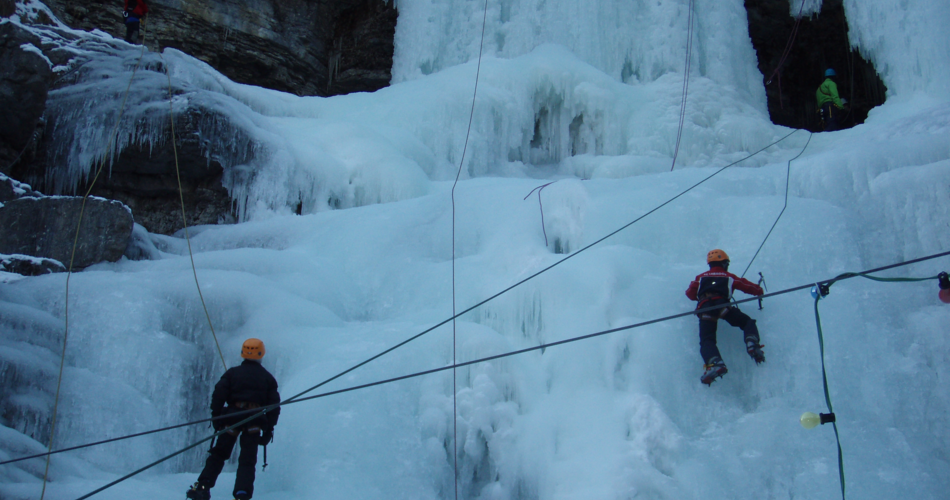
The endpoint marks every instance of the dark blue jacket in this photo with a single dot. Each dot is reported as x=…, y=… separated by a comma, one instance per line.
x=246, y=383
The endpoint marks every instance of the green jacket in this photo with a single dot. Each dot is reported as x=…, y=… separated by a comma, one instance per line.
x=828, y=92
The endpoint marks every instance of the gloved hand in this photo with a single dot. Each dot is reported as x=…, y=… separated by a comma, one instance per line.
x=267, y=436
x=218, y=424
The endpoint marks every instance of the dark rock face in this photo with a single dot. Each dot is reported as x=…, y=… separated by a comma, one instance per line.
x=145, y=179
x=324, y=47
x=820, y=43
x=30, y=266
x=11, y=189
x=46, y=227
x=361, y=55
x=7, y=8
x=144, y=174
x=24, y=84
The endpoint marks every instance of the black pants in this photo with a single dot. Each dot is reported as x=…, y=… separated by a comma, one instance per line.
x=709, y=323
x=131, y=31
x=247, y=460
x=829, y=113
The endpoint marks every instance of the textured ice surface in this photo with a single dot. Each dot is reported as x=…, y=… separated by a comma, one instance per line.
x=621, y=416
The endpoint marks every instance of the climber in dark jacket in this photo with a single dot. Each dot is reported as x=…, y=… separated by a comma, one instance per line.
x=243, y=387
x=713, y=288
x=133, y=12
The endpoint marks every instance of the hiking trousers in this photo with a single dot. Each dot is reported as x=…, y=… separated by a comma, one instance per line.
x=247, y=460
x=709, y=323
x=830, y=114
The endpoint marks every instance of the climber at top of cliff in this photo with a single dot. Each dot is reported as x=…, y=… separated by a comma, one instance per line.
x=829, y=104
x=133, y=12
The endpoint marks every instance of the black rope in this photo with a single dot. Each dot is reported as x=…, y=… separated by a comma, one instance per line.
x=785, y=54
x=788, y=175
x=637, y=325
x=689, y=51
x=259, y=412
x=444, y=322
x=130, y=436
x=263, y=410
x=293, y=400
x=541, y=206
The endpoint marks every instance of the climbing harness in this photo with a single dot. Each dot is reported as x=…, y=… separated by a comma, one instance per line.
x=689, y=51
x=468, y=132
x=297, y=399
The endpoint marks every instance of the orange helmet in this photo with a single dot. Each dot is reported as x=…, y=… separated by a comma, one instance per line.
x=716, y=255
x=252, y=349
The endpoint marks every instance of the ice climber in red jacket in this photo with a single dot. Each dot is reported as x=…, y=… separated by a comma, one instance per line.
x=133, y=12
x=714, y=288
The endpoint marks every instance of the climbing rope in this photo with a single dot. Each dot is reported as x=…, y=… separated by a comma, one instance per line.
x=184, y=221
x=689, y=51
x=785, y=53
x=536, y=274
x=18, y=156
x=479, y=304
x=468, y=132
x=819, y=291
x=539, y=189
x=72, y=257
x=788, y=174
x=454, y=366
x=851, y=78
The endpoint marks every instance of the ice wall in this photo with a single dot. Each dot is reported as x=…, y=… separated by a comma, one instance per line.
x=282, y=153
x=631, y=41
x=118, y=98
x=623, y=416
x=804, y=7
x=908, y=42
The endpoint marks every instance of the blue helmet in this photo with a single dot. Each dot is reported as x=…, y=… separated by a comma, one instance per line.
x=830, y=72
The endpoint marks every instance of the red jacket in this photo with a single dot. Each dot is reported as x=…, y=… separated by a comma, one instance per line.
x=724, y=288
x=138, y=8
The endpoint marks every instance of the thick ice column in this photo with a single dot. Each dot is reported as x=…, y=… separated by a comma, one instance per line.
x=908, y=42
x=633, y=41
x=810, y=7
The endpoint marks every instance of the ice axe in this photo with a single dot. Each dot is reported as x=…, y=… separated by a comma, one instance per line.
x=763, y=285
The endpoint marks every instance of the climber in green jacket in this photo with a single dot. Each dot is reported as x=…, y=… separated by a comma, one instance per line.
x=829, y=104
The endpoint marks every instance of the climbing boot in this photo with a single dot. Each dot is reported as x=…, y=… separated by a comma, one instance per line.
x=755, y=351
x=715, y=369
x=242, y=495
x=198, y=492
